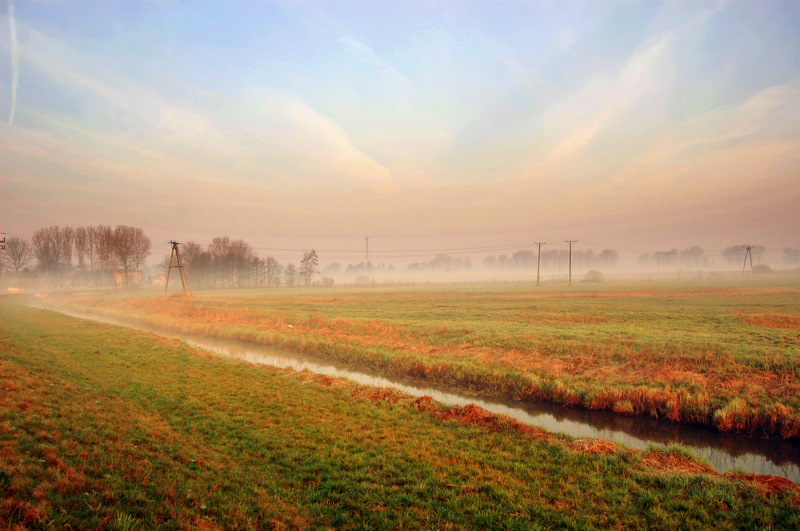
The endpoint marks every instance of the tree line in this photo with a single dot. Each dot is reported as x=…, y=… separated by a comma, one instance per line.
x=97, y=256
x=696, y=256
x=226, y=263
x=690, y=257
x=555, y=258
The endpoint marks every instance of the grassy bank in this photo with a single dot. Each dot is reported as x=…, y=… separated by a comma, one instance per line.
x=106, y=427
x=727, y=357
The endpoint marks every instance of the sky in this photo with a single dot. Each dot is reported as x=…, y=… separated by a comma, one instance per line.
x=426, y=125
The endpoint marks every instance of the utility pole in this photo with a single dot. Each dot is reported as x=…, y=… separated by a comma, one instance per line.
x=538, y=261
x=570, y=242
x=746, y=256
x=367, y=238
x=184, y=281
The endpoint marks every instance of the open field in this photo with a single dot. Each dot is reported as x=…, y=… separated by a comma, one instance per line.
x=102, y=426
x=726, y=356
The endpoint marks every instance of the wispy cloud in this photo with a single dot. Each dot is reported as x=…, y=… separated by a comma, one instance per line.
x=604, y=102
x=367, y=55
x=302, y=140
x=769, y=116
x=269, y=137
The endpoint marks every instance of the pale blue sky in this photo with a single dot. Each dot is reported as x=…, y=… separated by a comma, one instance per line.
x=424, y=124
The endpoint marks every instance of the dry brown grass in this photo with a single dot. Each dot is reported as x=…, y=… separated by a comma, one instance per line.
x=569, y=318
x=473, y=414
x=637, y=293
x=672, y=463
x=769, y=485
x=593, y=446
x=771, y=320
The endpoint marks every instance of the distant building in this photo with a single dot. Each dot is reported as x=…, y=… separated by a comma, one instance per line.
x=134, y=278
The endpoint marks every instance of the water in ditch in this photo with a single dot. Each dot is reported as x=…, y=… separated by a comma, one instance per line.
x=724, y=452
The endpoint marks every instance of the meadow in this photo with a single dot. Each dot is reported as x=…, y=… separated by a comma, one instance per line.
x=724, y=354
x=108, y=427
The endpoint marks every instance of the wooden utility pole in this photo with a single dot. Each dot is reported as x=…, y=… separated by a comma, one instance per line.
x=746, y=256
x=184, y=281
x=367, y=238
x=538, y=261
x=570, y=242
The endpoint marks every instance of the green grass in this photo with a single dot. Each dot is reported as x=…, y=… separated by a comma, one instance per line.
x=107, y=427
x=726, y=355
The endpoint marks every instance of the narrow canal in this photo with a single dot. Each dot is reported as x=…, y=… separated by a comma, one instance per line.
x=724, y=452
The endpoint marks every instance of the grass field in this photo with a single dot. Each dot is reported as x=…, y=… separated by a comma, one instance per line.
x=726, y=356
x=106, y=427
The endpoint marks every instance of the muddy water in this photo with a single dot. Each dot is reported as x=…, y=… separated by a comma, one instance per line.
x=724, y=452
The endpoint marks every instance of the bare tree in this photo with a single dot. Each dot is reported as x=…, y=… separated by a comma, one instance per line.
x=693, y=256
x=103, y=236
x=309, y=266
x=191, y=252
x=220, y=265
x=272, y=271
x=131, y=248
x=240, y=256
x=666, y=258
x=197, y=264
x=81, y=249
x=524, y=258
x=290, y=274
x=18, y=254
x=607, y=258
x=65, y=243
x=91, y=236
x=46, y=249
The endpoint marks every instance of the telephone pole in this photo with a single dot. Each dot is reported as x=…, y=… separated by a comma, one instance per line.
x=747, y=255
x=184, y=281
x=538, y=261
x=570, y=242
x=367, y=238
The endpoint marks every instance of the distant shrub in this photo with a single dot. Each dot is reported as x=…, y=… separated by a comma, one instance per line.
x=762, y=269
x=593, y=276
x=364, y=280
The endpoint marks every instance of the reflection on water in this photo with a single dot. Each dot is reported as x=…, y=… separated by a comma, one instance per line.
x=724, y=452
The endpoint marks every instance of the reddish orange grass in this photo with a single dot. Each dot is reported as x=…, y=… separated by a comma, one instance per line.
x=772, y=320
x=769, y=485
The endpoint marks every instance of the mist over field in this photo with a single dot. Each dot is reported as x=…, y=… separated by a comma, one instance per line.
x=102, y=257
